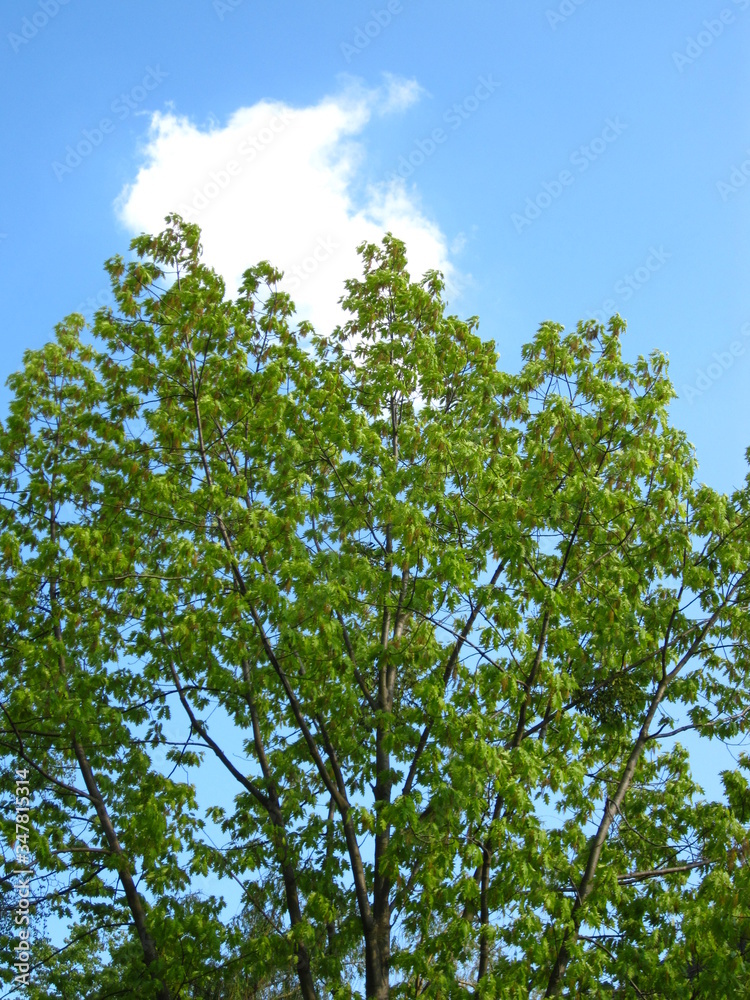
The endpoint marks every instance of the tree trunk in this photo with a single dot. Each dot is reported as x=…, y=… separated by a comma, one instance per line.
x=132, y=895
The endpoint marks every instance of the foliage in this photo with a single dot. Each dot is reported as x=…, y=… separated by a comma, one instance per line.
x=439, y=625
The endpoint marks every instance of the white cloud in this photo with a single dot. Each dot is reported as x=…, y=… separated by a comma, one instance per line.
x=277, y=183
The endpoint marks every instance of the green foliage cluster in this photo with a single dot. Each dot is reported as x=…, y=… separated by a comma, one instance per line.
x=440, y=626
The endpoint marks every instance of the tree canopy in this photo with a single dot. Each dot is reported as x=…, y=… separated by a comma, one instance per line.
x=438, y=626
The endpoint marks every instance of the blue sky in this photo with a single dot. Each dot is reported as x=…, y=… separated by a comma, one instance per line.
x=650, y=218
x=558, y=159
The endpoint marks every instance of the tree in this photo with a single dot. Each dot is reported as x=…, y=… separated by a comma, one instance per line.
x=450, y=621
x=72, y=714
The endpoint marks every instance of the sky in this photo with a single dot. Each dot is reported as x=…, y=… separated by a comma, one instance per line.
x=557, y=159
